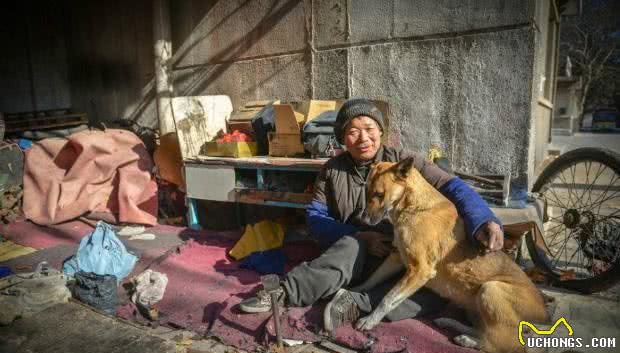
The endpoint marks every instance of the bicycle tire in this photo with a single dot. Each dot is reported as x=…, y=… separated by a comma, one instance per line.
x=598, y=282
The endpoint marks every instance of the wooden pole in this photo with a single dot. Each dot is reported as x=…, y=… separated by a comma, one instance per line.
x=163, y=55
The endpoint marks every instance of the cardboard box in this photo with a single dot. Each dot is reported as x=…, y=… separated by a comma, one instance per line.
x=285, y=145
x=231, y=149
x=249, y=110
x=313, y=108
x=289, y=119
x=286, y=140
x=242, y=126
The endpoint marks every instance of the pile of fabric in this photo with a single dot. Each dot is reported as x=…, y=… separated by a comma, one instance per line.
x=106, y=174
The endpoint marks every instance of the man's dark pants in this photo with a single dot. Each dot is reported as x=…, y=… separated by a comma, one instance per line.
x=347, y=263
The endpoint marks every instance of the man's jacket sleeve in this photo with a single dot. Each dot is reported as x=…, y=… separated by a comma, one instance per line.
x=320, y=224
x=324, y=227
x=470, y=206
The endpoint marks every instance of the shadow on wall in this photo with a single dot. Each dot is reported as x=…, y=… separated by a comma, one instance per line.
x=202, y=76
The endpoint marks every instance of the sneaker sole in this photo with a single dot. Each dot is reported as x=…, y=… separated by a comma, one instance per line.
x=327, y=321
x=252, y=309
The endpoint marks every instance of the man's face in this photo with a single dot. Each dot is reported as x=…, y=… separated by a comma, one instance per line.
x=362, y=137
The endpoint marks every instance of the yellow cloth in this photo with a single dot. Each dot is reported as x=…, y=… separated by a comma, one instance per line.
x=9, y=250
x=261, y=236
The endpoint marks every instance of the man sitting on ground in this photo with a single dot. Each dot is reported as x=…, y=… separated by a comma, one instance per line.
x=354, y=249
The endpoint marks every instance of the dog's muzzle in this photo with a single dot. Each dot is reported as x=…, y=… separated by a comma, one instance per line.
x=371, y=219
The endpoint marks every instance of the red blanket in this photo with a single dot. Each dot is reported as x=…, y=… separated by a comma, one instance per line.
x=105, y=172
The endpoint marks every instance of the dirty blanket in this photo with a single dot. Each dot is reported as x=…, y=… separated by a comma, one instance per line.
x=205, y=287
x=104, y=172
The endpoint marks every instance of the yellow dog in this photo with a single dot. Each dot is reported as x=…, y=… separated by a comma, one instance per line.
x=429, y=241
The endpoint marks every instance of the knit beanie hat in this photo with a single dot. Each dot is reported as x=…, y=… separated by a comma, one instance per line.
x=353, y=108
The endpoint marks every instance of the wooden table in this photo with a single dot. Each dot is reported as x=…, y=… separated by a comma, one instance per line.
x=218, y=179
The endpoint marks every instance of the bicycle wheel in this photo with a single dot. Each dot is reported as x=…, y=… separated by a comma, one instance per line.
x=580, y=245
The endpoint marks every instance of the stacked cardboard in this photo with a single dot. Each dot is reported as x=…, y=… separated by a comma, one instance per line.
x=241, y=119
x=286, y=141
x=289, y=119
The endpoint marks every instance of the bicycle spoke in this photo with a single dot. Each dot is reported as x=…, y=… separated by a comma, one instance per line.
x=573, y=169
x=590, y=188
x=560, y=241
x=548, y=231
x=604, y=192
x=598, y=211
x=554, y=204
x=557, y=219
x=570, y=194
x=588, y=165
x=599, y=172
x=612, y=217
x=557, y=198
x=557, y=260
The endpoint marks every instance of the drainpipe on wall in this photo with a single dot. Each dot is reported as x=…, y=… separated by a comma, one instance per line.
x=163, y=55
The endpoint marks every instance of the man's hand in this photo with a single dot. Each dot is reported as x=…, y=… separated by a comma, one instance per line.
x=379, y=244
x=491, y=236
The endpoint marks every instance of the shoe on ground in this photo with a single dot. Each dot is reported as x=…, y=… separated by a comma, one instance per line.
x=340, y=310
x=261, y=302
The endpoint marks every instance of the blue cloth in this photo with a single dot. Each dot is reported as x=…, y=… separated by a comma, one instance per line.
x=324, y=227
x=102, y=253
x=24, y=144
x=5, y=271
x=471, y=207
x=265, y=262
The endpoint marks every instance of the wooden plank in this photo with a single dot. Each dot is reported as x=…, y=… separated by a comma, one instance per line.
x=15, y=124
x=253, y=195
x=262, y=161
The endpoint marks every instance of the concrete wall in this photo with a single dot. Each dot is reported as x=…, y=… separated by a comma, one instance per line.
x=33, y=64
x=93, y=56
x=464, y=74
x=458, y=73
x=111, y=59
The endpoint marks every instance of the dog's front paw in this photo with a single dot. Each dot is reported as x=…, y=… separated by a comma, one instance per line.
x=366, y=323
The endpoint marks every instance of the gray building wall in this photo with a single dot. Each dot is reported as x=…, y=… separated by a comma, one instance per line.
x=463, y=74
x=458, y=73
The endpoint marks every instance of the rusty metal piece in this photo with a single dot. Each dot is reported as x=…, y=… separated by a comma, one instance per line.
x=271, y=285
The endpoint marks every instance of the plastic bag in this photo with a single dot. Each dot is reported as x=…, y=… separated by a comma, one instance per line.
x=149, y=288
x=102, y=253
x=98, y=291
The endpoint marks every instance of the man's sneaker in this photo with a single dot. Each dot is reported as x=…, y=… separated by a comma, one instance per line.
x=261, y=302
x=340, y=310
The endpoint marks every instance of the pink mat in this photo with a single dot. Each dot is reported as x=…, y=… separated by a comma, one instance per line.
x=205, y=286
x=39, y=237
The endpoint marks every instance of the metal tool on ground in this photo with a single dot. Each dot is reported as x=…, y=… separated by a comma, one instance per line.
x=271, y=285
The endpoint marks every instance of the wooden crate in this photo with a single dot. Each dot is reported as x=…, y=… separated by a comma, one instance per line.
x=42, y=120
x=260, y=196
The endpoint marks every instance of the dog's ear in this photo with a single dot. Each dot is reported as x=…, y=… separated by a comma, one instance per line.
x=403, y=167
